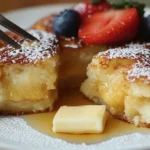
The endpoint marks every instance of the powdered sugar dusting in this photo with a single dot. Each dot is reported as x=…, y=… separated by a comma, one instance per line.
x=138, y=52
x=15, y=131
x=31, y=51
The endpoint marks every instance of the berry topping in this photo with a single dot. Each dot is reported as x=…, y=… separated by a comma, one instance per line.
x=67, y=23
x=87, y=9
x=110, y=27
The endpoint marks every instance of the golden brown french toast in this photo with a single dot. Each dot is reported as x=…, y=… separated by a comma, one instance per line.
x=28, y=75
x=120, y=79
x=74, y=55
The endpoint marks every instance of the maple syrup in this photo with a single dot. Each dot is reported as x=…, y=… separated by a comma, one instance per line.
x=43, y=122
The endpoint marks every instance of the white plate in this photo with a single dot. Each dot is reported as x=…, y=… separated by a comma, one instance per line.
x=16, y=134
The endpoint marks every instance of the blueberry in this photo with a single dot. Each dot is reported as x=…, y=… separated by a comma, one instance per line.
x=145, y=28
x=67, y=23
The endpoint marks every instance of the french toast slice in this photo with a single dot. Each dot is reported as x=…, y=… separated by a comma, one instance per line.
x=120, y=79
x=28, y=75
x=74, y=55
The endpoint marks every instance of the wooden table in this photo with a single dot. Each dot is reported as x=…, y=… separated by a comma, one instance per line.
x=6, y=5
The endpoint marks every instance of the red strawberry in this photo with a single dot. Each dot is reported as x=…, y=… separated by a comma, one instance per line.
x=110, y=27
x=86, y=8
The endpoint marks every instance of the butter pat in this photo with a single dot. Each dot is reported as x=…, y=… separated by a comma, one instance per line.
x=80, y=119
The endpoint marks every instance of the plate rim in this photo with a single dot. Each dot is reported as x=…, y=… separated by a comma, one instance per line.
x=11, y=146
x=37, y=7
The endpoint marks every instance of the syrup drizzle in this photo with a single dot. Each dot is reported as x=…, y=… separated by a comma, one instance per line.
x=43, y=122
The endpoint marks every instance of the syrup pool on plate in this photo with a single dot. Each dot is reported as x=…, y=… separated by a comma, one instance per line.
x=43, y=122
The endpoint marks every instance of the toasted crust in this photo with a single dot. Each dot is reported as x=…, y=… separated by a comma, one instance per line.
x=30, y=52
x=45, y=23
x=134, y=57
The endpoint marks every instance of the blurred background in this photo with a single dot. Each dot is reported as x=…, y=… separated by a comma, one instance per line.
x=6, y=5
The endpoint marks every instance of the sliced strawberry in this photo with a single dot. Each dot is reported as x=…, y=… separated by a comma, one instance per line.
x=110, y=27
x=86, y=8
